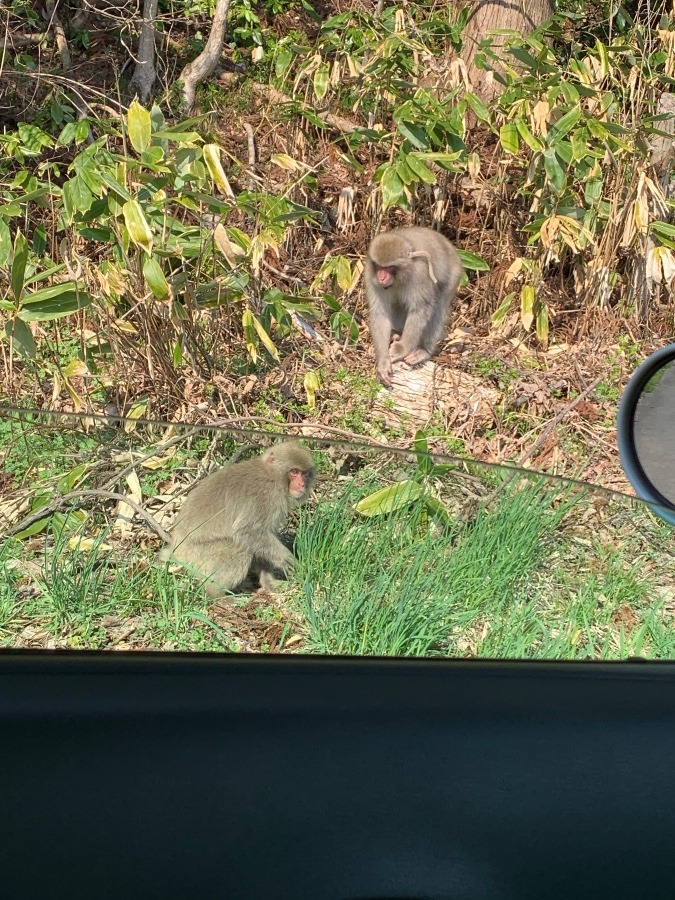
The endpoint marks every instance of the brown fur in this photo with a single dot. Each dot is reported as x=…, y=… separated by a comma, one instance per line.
x=413, y=309
x=228, y=526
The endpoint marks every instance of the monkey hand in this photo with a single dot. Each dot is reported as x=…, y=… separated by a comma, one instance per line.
x=385, y=372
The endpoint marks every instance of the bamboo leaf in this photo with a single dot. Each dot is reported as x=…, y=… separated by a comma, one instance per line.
x=139, y=127
x=508, y=137
x=389, y=499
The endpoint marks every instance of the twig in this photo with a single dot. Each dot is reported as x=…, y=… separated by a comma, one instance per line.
x=201, y=67
x=77, y=498
x=251, y=144
x=59, y=32
x=292, y=279
x=557, y=418
x=541, y=439
x=159, y=450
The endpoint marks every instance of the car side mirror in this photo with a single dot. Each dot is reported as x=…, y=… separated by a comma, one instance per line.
x=646, y=432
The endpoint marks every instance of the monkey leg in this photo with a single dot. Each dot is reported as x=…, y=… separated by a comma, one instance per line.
x=416, y=357
x=221, y=565
x=414, y=346
x=397, y=351
x=269, y=581
x=227, y=574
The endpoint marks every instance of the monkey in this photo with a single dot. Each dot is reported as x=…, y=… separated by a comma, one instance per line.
x=412, y=275
x=228, y=526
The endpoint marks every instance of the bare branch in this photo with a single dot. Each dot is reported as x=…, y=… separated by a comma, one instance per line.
x=78, y=498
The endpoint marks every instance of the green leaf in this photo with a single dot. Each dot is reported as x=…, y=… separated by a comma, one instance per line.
x=392, y=188
x=569, y=92
x=502, y=310
x=283, y=59
x=82, y=129
x=211, y=155
x=139, y=127
x=415, y=134
x=53, y=303
x=22, y=337
x=250, y=335
x=421, y=446
x=321, y=81
x=477, y=106
x=597, y=129
x=39, y=240
x=532, y=142
x=265, y=339
x=527, y=298
x=508, y=137
x=5, y=243
x=154, y=278
x=177, y=356
x=312, y=118
x=19, y=261
x=404, y=172
x=137, y=226
x=541, y=321
x=423, y=173
x=389, y=499
x=152, y=157
x=76, y=195
x=67, y=135
x=438, y=512
x=312, y=383
x=554, y=171
x=68, y=481
x=449, y=161
x=537, y=66
x=580, y=148
x=665, y=233
x=118, y=189
x=343, y=272
x=36, y=528
x=473, y=262
x=563, y=126
x=593, y=190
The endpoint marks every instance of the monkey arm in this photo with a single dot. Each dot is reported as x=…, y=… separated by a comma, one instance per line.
x=265, y=546
x=380, y=333
x=256, y=530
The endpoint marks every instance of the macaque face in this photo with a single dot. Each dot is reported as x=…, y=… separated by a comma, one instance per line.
x=384, y=275
x=299, y=483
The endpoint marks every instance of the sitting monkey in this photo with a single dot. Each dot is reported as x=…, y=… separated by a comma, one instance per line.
x=228, y=526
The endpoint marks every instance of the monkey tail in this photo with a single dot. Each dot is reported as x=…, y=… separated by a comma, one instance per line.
x=428, y=258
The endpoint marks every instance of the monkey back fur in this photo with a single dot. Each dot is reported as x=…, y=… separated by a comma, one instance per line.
x=227, y=528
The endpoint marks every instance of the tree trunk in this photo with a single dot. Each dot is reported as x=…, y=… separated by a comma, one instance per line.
x=201, y=67
x=144, y=75
x=522, y=16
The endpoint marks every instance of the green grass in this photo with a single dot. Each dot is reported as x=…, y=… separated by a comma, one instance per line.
x=537, y=571
x=394, y=585
x=514, y=583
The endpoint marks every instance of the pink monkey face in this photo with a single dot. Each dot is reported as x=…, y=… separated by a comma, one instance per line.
x=298, y=483
x=384, y=275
